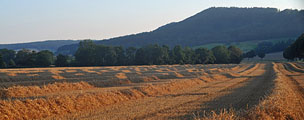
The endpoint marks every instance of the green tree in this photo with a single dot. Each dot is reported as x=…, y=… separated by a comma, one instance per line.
x=158, y=54
x=110, y=56
x=86, y=54
x=121, y=57
x=140, y=58
x=295, y=50
x=204, y=56
x=235, y=54
x=221, y=54
x=2, y=63
x=26, y=58
x=299, y=47
x=151, y=55
x=7, y=55
x=130, y=55
x=189, y=55
x=166, y=54
x=250, y=54
x=289, y=53
x=178, y=55
x=12, y=63
x=264, y=47
x=62, y=61
x=44, y=58
x=100, y=52
x=261, y=55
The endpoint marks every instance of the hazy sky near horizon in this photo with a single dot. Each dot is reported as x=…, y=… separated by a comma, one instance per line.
x=38, y=20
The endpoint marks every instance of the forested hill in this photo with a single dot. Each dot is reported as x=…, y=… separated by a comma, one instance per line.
x=51, y=45
x=216, y=25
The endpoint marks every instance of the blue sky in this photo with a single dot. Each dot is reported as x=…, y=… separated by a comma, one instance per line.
x=38, y=20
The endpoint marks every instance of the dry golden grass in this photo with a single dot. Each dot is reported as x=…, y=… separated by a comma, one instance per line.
x=121, y=76
x=286, y=102
x=283, y=103
x=117, y=68
x=103, y=71
x=222, y=115
x=56, y=74
x=164, y=73
x=126, y=71
x=58, y=77
x=70, y=71
x=32, y=75
x=190, y=70
x=14, y=73
x=64, y=104
x=137, y=69
x=89, y=70
x=159, y=71
x=152, y=78
x=178, y=75
x=29, y=91
x=79, y=74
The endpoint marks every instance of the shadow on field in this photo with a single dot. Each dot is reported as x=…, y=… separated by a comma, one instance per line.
x=240, y=98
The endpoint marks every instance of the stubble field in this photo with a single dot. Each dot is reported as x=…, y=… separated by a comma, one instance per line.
x=245, y=91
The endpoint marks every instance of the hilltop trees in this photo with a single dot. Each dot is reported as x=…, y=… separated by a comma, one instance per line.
x=296, y=50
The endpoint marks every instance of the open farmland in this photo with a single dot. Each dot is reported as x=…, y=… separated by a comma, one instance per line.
x=246, y=91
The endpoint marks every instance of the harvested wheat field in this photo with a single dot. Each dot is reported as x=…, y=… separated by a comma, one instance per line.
x=245, y=91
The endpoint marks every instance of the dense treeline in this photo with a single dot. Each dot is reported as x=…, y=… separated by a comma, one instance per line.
x=295, y=50
x=269, y=47
x=91, y=54
x=25, y=58
x=264, y=48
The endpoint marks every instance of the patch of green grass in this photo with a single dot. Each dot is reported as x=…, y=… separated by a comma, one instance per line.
x=245, y=46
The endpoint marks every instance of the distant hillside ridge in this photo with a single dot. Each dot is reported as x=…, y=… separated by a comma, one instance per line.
x=51, y=45
x=216, y=25
x=213, y=25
